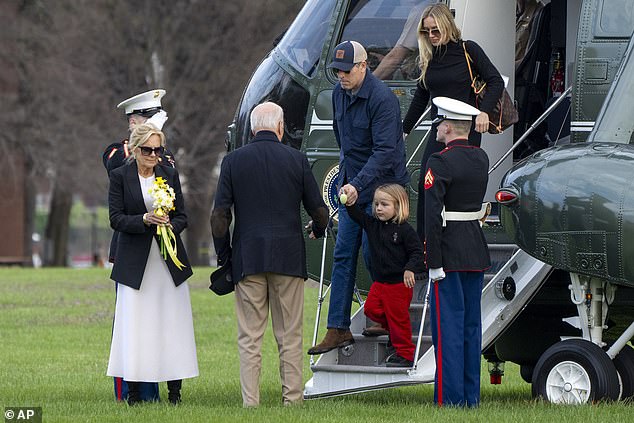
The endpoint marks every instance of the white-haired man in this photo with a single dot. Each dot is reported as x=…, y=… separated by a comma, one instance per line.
x=266, y=182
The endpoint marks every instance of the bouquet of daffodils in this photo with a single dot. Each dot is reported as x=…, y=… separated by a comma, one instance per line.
x=163, y=196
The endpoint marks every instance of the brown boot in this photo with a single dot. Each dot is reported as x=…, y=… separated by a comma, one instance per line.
x=335, y=338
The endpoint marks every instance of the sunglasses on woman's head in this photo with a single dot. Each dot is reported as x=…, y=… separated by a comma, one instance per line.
x=427, y=32
x=147, y=151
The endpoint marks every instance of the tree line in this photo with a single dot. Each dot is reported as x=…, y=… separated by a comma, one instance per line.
x=65, y=64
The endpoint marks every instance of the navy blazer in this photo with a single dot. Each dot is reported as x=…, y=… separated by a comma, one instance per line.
x=127, y=208
x=266, y=182
x=113, y=157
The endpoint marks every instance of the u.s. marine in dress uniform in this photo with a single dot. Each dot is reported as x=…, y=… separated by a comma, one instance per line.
x=144, y=107
x=456, y=253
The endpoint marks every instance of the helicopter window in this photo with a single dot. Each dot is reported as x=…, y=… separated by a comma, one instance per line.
x=272, y=83
x=303, y=42
x=614, y=21
x=388, y=30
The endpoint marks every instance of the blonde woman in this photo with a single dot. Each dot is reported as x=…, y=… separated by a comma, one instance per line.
x=153, y=334
x=397, y=254
x=444, y=73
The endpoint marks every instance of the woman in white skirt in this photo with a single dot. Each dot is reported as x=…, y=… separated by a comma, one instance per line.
x=153, y=335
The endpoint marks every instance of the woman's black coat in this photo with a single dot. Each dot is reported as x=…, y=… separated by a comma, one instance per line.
x=127, y=208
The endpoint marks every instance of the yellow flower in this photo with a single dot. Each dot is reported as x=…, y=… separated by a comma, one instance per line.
x=164, y=196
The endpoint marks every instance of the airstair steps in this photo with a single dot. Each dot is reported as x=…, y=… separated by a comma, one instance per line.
x=361, y=367
x=500, y=254
x=370, y=352
x=384, y=338
x=345, y=368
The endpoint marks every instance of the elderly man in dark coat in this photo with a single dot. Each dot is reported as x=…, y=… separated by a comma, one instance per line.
x=266, y=182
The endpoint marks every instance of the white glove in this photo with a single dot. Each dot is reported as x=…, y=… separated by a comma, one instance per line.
x=158, y=119
x=436, y=274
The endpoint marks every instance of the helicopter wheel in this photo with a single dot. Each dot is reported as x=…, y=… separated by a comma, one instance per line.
x=526, y=372
x=348, y=350
x=624, y=363
x=575, y=371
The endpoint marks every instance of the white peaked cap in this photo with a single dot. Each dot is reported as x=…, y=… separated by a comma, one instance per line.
x=143, y=101
x=449, y=108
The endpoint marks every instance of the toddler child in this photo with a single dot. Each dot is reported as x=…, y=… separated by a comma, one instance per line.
x=396, y=255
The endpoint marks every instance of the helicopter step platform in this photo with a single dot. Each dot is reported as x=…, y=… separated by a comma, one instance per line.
x=371, y=352
x=361, y=367
x=343, y=368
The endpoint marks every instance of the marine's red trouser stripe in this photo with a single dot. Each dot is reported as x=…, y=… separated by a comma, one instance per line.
x=119, y=388
x=439, y=352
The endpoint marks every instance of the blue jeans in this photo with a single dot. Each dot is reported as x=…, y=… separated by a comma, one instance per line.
x=350, y=237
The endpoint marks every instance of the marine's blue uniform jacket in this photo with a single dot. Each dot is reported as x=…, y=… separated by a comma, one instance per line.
x=456, y=177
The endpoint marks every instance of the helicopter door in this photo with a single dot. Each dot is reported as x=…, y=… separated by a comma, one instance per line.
x=493, y=28
x=379, y=25
x=602, y=42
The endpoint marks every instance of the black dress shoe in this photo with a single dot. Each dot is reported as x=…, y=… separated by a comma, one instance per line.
x=396, y=360
x=174, y=391
x=134, y=393
x=174, y=399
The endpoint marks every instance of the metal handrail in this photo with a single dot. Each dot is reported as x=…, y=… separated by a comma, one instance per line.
x=322, y=294
x=422, y=323
x=420, y=119
x=535, y=124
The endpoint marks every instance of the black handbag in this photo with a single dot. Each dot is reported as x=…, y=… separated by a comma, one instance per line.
x=504, y=114
x=221, y=280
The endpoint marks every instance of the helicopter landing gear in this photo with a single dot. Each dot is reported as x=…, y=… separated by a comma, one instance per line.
x=578, y=371
x=575, y=371
x=624, y=363
x=526, y=372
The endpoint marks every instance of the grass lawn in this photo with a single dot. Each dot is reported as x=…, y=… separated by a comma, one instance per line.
x=55, y=331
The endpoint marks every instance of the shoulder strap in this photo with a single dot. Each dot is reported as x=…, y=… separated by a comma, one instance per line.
x=468, y=58
x=477, y=90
